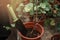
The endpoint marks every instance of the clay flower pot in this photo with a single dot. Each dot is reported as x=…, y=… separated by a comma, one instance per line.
x=39, y=28
x=55, y=37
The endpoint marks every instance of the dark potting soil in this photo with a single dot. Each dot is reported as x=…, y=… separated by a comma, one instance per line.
x=35, y=33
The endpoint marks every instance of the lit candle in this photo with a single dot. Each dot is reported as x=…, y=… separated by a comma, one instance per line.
x=12, y=13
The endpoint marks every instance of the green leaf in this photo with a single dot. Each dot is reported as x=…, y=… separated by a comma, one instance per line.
x=48, y=7
x=28, y=7
x=52, y=23
x=43, y=11
x=43, y=5
x=31, y=12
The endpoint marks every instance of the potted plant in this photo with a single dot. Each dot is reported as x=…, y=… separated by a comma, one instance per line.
x=36, y=28
x=35, y=31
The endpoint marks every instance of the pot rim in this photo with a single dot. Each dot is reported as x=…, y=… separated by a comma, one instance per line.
x=34, y=37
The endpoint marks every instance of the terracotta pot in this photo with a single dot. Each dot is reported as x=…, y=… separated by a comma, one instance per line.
x=39, y=28
x=55, y=37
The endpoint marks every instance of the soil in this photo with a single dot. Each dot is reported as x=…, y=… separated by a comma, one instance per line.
x=35, y=33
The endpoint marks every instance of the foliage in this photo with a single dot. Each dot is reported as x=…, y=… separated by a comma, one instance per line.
x=46, y=7
x=49, y=21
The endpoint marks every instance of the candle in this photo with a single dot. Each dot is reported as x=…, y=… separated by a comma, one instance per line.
x=12, y=13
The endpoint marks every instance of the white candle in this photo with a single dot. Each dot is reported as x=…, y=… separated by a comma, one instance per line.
x=12, y=13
